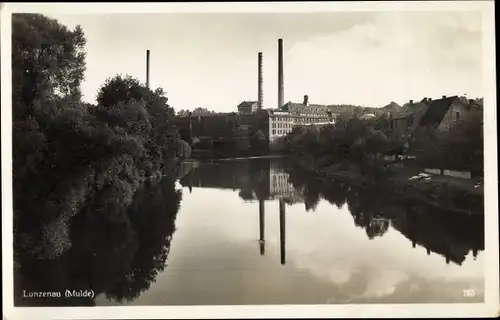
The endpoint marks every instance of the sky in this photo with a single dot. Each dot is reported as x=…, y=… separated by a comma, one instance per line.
x=363, y=58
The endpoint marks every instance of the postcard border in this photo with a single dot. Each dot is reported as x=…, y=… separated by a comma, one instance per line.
x=489, y=308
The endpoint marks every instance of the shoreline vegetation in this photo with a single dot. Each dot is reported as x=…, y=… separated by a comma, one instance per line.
x=449, y=193
x=73, y=159
x=370, y=153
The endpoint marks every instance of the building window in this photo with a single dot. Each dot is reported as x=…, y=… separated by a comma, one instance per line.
x=457, y=115
x=274, y=131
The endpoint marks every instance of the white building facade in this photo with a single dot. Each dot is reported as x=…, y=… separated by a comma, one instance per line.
x=282, y=123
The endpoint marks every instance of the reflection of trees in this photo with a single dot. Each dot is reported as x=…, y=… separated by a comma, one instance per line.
x=115, y=250
x=251, y=178
x=310, y=190
x=374, y=209
x=259, y=178
x=153, y=216
x=335, y=193
x=224, y=175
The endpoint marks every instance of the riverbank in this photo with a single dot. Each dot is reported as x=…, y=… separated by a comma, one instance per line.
x=449, y=193
x=213, y=157
x=275, y=156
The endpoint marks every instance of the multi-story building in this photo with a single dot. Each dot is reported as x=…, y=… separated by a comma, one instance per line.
x=290, y=115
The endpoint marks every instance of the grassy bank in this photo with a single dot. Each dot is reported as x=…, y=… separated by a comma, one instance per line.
x=449, y=193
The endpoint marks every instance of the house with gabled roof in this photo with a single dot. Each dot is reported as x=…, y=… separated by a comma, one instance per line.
x=445, y=115
x=248, y=107
x=440, y=114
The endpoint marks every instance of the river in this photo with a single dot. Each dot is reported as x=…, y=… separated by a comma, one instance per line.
x=260, y=232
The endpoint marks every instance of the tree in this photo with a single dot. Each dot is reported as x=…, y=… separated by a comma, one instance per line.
x=47, y=60
x=183, y=113
x=199, y=111
x=357, y=112
x=69, y=154
x=118, y=92
x=258, y=142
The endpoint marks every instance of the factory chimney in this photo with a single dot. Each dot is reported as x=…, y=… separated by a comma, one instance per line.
x=260, y=82
x=147, y=68
x=280, y=74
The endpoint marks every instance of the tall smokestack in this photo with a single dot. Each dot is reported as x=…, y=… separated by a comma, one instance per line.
x=260, y=81
x=147, y=68
x=280, y=74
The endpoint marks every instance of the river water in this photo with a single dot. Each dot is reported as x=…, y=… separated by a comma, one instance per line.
x=259, y=232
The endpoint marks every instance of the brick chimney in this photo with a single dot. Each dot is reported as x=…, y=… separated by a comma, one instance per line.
x=147, y=68
x=444, y=97
x=281, y=87
x=411, y=101
x=260, y=82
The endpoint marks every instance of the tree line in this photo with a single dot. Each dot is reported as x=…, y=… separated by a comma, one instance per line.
x=67, y=153
x=362, y=141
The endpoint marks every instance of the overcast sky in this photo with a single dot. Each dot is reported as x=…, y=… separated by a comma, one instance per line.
x=365, y=58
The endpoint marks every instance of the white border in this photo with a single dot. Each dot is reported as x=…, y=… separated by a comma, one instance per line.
x=489, y=308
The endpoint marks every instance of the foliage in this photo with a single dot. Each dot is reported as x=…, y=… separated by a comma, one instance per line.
x=69, y=154
x=258, y=143
x=47, y=59
x=199, y=111
x=459, y=148
x=47, y=63
x=345, y=140
x=363, y=141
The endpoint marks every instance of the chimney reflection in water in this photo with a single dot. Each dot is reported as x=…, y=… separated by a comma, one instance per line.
x=262, y=241
x=282, y=230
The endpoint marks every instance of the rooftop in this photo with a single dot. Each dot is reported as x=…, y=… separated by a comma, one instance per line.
x=247, y=104
x=436, y=111
x=291, y=106
x=403, y=116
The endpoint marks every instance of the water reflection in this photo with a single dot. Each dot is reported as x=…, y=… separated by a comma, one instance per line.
x=449, y=234
x=261, y=232
x=406, y=252
x=118, y=256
